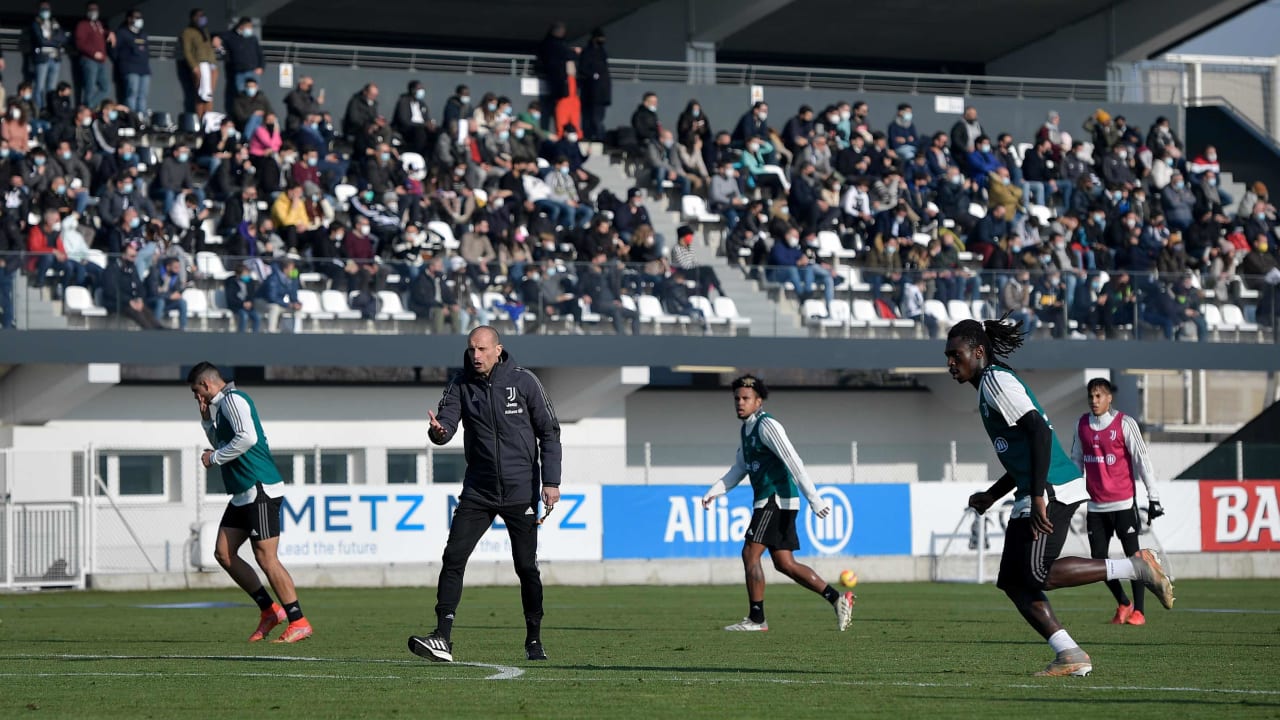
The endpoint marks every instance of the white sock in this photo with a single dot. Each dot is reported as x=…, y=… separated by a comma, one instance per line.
x=1120, y=570
x=1062, y=642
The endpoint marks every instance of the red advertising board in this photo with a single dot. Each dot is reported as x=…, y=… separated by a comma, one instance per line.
x=1239, y=516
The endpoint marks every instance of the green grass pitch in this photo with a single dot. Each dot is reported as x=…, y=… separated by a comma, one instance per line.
x=915, y=650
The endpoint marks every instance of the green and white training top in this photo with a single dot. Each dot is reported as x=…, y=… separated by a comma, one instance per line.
x=766, y=455
x=240, y=446
x=1003, y=398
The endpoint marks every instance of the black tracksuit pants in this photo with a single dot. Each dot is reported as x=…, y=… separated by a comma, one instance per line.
x=470, y=521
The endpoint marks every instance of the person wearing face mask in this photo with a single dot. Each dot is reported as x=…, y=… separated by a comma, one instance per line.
x=569, y=146
x=644, y=121
x=754, y=124
x=382, y=172
x=412, y=119
x=164, y=286
x=1259, y=222
x=485, y=116
x=1260, y=269
x=1116, y=171
x=301, y=102
x=198, y=61
x=789, y=263
x=663, y=161
x=1209, y=196
x=264, y=148
x=93, y=42
x=693, y=122
x=48, y=42
x=250, y=107
x=66, y=164
x=456, y=107
x=524, y=143
x=133, y=62
x=1255, y=193
x=1002, y=191
x=1206, y=161
x=175, y=175
x=902, y=134
x=1178, y=202
x=243, y=56
x=983, y=161
x=241, y=288
x=595, y=86
x=278, y=294
x=362, y=112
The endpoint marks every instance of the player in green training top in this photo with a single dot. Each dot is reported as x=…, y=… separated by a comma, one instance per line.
x=230, y=421
x=767, y=457
x=1047, y=487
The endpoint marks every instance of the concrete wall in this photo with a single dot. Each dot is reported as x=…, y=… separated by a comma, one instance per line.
x=870, y=570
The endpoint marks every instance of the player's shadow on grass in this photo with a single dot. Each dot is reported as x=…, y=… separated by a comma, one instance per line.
x=699, y=669
x=555, y=628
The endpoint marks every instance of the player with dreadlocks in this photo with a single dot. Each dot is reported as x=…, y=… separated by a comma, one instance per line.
x=1047, y=487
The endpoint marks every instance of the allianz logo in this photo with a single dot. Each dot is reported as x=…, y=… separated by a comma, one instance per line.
x=688, y=522
x=1108, y=459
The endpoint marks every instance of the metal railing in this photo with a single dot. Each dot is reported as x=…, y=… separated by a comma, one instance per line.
x=639, y=71
x=1235, y=309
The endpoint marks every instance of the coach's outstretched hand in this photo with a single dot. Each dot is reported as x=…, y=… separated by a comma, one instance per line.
x=436, y=430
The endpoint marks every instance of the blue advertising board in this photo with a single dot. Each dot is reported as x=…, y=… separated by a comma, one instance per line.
x=668, y=521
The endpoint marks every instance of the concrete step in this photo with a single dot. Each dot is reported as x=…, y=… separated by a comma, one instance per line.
x=1234, y=188
x=34, y=309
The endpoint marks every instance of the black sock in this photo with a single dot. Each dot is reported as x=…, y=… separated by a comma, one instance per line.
x=1138, y=594
x=756, y=613
x=532, y=631
x=831, y=594
x=444, y=624
x=294, y=611
x=262, y=597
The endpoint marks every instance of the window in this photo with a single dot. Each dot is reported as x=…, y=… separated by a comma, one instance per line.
x=448, y=467
x=402, y=467
x=129, y=474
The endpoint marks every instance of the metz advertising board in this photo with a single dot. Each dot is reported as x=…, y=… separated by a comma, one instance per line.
x=389, y=524
x=1239, y=516
x=668, y=521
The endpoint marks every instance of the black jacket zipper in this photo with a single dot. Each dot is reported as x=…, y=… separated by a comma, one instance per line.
x=497, y=441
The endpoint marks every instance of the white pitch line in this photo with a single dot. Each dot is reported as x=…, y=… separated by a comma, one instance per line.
x=503, y=672
x=506, y=672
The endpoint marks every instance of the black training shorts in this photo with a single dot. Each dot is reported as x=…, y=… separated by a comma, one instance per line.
x=774, y=528
x=1026, y=560
x=260, y=518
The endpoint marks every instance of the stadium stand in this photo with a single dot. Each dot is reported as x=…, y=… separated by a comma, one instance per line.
x=1119, y=231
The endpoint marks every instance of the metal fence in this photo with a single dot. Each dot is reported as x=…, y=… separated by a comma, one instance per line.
x=43, y=542
x=1157, y=90
x=1246, y=84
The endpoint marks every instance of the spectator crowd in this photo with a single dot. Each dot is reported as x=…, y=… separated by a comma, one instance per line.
x=490, y=208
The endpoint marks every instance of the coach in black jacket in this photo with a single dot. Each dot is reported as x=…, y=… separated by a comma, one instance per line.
x=512, y=446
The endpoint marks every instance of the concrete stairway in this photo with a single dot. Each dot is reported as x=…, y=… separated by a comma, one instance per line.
x=768, y=318
x=34, y=309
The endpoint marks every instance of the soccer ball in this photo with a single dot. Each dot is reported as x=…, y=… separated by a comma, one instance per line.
x=848, y=578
